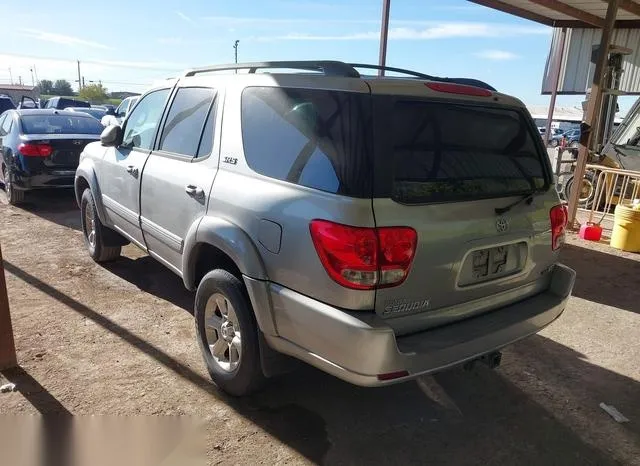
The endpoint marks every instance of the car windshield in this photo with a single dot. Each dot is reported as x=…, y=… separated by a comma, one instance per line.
x=60, y=124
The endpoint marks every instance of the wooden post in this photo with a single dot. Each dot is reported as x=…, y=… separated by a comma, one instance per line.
x=384, y=35
x=593, y=110
x=557, y=68
x=8, y=357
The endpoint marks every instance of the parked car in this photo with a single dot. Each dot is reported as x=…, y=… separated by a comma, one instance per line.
x=376, y=228
x=6, y=103
x=120, y=113
x=572, y=138
x=61, y=103
x=40, y=149
x=556, y=138
x=95, y=112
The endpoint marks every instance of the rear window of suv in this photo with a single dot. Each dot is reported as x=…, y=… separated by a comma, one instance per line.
x=310, y=137
x=446, y=152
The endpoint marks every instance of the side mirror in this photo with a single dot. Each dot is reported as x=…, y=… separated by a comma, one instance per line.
x=111, y=136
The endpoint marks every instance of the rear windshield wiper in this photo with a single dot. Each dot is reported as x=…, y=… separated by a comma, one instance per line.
x=528, y=198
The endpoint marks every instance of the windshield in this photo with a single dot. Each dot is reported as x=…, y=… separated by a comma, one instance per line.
x=631, y=133
x=444, y=152
x=60, y=124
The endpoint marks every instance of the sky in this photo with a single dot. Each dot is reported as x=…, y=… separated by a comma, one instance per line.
x=127, y=45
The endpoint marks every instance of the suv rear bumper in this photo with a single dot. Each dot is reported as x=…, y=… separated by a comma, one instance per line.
x=358, y=352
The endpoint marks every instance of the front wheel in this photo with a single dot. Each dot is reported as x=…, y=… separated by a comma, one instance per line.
x=227, y=333
x=95, y=232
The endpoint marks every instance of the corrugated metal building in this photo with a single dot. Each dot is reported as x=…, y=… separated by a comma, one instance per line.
x=577, y=70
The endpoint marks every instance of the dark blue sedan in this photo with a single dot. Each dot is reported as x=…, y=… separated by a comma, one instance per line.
x=41, y=149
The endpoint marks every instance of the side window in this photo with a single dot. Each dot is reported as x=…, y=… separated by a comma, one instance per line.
x=183, y=129
x=121, y=111
x=140, y=127
x=206, y=142
x=5, y=125
x=314, y=138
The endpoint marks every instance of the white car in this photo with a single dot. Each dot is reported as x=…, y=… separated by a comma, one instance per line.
x=121, y=112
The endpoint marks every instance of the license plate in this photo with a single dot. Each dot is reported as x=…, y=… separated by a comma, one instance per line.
x=489, y=262
x=65, y=158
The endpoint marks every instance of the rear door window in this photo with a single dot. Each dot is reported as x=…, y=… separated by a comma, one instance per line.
x=183, y=128
x=310, y=137
x=446, y=152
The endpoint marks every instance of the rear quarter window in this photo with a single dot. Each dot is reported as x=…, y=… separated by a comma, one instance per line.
x=314, y=138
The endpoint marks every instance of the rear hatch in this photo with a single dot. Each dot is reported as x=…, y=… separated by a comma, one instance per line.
x=443, y=164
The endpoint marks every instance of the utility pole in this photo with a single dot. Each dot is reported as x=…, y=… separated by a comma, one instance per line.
x=20, y=80
x=79, y=77
x=36, y=73
x=83, y=84
x=10, y=75
x=235, y=48
x=33, y=83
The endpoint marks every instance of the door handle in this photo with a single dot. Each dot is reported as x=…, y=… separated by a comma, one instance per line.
x=133, y=171
x=194, y=191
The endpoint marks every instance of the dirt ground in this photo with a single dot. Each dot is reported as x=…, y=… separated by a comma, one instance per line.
x=120, y=340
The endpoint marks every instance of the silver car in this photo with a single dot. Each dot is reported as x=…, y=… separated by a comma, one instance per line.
x=376, y=228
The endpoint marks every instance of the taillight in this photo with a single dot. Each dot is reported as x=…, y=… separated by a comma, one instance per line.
x=559, y=217
x=364, y=258
x=35, y=150
x=462, y=89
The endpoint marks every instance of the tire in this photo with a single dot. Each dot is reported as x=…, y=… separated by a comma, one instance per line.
x=14, y=196
x=96, y=243
x=586, y=201
x=574, y=144
x=213, y=329
x=553, y=143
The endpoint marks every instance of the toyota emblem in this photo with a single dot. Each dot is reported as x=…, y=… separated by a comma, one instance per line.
x=502, y=225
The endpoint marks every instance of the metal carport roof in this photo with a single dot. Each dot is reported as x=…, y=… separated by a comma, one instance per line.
x=568, y=13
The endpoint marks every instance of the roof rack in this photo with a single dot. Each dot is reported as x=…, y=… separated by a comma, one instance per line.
x=332, y=68
x=329, y=68
x=416, y=74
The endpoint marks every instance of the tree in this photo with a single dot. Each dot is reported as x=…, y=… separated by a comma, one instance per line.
x=62, y=87
x=46, y=87
x=95, y=93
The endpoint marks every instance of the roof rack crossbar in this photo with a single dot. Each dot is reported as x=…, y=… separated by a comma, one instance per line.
x=416, y=74
x=329, y=68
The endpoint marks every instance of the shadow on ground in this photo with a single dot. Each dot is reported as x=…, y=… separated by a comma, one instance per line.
x=604, y=278
x=151, y=276
x=329, y=421
x=55, y=205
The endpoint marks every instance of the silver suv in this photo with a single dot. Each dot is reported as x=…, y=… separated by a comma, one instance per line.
x=376, y=228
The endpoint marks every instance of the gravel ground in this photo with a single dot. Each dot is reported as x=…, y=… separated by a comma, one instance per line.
x=120, y=340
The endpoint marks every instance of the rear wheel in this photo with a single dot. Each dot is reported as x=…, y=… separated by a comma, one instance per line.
x=227, y=333
x=553, y=143
x=14, y=197
x=95, y=232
